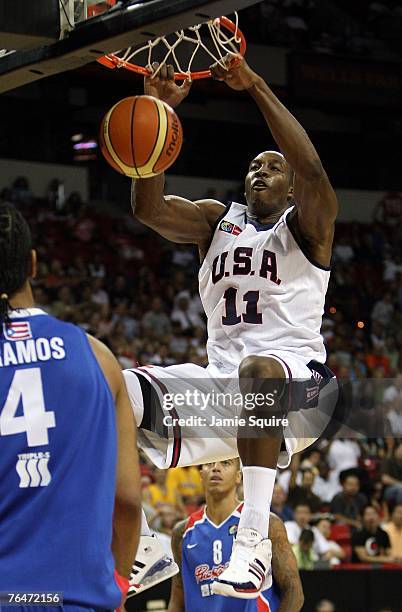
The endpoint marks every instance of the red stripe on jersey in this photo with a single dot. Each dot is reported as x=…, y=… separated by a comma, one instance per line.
x=263, y=605
x=193, y=518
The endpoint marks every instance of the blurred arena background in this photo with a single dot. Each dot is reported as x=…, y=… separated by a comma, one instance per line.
x=336, y=65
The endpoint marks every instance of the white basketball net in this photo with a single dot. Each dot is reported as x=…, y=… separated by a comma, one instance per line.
x=223, y=43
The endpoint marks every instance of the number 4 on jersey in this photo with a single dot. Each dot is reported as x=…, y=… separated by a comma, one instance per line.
x=27, y=387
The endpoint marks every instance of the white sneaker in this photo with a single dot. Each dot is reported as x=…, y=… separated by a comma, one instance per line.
x=152, y=566
x=249, y=569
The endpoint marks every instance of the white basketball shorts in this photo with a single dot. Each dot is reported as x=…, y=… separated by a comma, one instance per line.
x=186, y=417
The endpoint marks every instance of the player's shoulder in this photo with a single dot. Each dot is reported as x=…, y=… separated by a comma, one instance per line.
x=211, y=209
x=274, y=517
x=277, y=529
x=210, y=204
x=100, y=349
x=107, y=362
x=49, y=325
x=179, y=530
x=42, y=318
x=194, y=519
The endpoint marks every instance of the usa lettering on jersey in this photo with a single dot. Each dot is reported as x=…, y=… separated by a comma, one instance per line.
x=242, y=265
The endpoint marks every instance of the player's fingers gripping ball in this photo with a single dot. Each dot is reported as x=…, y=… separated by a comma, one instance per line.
x=141, y=136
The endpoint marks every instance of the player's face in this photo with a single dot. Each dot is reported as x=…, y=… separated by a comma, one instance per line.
x=221, y=476
x=267, y=184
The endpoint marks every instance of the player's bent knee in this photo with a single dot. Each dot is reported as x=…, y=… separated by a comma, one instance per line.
x=254, y=367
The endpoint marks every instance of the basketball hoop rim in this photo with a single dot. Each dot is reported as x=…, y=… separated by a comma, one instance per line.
x=112, y=61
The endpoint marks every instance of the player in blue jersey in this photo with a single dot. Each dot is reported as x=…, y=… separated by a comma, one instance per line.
x=202, y=545
x=69, y=476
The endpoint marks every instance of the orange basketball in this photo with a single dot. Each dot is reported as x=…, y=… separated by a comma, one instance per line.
x=141, y=136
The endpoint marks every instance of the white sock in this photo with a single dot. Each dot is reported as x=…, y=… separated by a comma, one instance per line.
x=258, y=485
x=145, y=531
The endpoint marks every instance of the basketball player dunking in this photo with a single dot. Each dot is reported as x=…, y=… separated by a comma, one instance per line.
x=263, y=279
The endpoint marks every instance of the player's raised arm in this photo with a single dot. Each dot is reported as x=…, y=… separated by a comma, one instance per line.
x=176, y=603
x=127, y=510
x=284, y=568
x=174, y=218
x=315, y=199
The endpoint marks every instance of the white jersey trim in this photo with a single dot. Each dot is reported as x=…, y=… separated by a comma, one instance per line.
x=26, y=312
x=205, y=518
x=301, y=247
x=235, y=513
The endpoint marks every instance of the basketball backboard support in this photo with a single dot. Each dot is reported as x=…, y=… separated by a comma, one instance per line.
x=130, y=25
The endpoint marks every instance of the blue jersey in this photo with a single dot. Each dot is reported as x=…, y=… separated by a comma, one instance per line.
x=206, y=550
x=58, y=447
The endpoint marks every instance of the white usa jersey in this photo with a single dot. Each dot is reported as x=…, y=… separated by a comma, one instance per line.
x=260, y=291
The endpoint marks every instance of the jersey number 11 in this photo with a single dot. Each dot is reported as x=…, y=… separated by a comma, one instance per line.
x=250, y=316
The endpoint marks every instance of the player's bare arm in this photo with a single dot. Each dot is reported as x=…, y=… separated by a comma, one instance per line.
x=176, y=603
x=316, y=203
x=177, y=219
x=127, y=511
x=284, y=568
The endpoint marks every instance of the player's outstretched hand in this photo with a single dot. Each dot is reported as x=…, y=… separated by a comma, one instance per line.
x=164, y=87
x=237, y=73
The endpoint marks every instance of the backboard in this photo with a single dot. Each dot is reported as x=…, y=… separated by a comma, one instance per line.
x=126, y=24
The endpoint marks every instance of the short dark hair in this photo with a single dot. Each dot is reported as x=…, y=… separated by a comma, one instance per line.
x=345, y=475
x=306, y=536
x=15, y=254
x=301, y=505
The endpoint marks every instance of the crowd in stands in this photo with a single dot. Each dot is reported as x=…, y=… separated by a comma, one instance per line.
x=341, y=27
x=342, y=500
x=331, y=517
